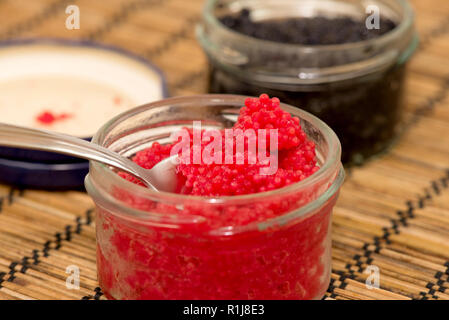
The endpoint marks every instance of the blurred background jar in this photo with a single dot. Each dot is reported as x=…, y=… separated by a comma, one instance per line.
x=352, y=79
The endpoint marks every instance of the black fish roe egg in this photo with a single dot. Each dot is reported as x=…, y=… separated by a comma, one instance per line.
x=363, y=111
x=306, y=31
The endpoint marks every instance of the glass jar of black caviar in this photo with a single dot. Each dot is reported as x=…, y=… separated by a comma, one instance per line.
x=342, y=60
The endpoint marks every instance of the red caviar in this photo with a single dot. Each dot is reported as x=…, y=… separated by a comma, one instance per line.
x=287, y=262
x=296, y=156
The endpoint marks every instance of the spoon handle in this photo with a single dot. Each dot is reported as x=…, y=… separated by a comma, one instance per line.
x=23, y=137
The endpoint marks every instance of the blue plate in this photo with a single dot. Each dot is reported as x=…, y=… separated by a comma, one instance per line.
x=29, y=155
x=43, y=175
x=127, y=73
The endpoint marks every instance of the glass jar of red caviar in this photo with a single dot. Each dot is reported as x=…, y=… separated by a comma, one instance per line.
x=319, y=56
x=154, y=245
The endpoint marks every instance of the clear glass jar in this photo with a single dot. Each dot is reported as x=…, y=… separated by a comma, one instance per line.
x=356, y=88
x=168, y=246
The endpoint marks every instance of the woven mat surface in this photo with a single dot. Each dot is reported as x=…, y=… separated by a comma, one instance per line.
x=393, y=213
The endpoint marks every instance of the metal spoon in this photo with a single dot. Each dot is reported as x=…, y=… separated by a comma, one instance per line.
x=162, y=177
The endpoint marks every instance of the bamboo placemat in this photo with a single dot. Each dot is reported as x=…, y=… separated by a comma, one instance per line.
x=393, y=213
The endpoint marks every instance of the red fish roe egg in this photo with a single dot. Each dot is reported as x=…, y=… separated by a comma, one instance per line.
x=300, y=158
x=266, y=113
x=148, y=158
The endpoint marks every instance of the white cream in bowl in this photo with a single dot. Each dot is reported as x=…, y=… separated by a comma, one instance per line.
x=82, y=86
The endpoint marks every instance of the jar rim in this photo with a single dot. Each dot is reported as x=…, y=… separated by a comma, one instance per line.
x=232, y=52
x=400, y=29
x=330, y=165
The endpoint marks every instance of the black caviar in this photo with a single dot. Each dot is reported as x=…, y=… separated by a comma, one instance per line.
x=306, y=31
x=363, y=111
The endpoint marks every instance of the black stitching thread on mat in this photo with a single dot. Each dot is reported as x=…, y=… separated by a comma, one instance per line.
x=122, y=15
x=330, y=290
x=10, y=197
x=436, y=188
x=440, y=284
x=13, y=192
x=12, y=271
x=172, y=39
x=79, y=226
x=429, y=105
x=342, y=279
x=428, y=295
x=2, y=278
x=51, y=10
x=98, y=293
x=96, y=296
x=27, y=261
